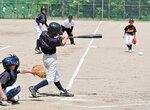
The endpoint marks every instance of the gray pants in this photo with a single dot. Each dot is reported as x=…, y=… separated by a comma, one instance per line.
x=50, y=62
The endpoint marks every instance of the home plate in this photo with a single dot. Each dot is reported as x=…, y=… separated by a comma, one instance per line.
x=93, y=46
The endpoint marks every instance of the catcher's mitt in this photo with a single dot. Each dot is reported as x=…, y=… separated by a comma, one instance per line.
x=39, y=70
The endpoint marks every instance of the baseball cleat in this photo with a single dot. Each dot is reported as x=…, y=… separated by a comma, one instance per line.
x=130, y=51
x=66, y=94
x=5, y=103
x=33, y=92
x=73, y=44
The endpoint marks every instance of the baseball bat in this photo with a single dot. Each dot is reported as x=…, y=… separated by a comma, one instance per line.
x=87, y=36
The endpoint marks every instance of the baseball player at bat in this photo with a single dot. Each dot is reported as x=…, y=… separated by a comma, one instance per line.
x=68, y=26
x=9, y=91
x=129, y=34
x=49, y=40
x=40, y=21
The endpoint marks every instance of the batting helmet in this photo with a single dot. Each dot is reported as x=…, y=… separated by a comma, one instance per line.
x=9, y=61
x=54, y=29
x=43, y=8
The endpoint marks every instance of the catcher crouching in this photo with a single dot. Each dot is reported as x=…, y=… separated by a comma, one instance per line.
x=49, y=40
x=8, y=90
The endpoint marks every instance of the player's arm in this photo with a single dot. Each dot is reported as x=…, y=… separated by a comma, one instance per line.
x=46, y=22
x=52, y=42
x=125, y=30
x=2, y=94
x=37, y=20
x=64, y=40
x=25, y=72
x=38, y=73
x=60, y=41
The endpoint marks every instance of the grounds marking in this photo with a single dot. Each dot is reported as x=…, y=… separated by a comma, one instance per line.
x=82, y=60
x=143, y=103
x=116, y=106
x=5, y=47
x=73, y=99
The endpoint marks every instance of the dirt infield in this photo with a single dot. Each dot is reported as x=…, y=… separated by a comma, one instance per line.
x=109, y=78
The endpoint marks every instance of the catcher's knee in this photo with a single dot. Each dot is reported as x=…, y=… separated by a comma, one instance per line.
x=13, y=92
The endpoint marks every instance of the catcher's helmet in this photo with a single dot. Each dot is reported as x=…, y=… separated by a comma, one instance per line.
x=54, y=29
x=43, y=8
x=9, y=61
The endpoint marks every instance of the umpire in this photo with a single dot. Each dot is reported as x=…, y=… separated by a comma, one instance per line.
x=68, y=26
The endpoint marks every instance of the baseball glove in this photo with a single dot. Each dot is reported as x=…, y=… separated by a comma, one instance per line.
x=134, y=40
x=39, y=70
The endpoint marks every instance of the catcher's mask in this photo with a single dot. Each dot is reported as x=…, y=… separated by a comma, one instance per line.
x=43, y=8
x=54, y=29
x=9, y=61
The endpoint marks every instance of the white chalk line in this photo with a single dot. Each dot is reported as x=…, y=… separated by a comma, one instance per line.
x=73, y=99
x=143, y=103
x=4, y=47
x=116, y=106
x=81, y=61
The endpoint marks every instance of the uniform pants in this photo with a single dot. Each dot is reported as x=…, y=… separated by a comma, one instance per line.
x=128, y=39
x=39, y=32
x=50, y=62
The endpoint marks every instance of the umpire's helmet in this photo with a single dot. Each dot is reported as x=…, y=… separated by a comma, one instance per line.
x=54, y=29
x=43, y=8
x=9, y=61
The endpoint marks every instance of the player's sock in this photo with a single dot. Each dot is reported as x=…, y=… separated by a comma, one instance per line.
x=130, y=47
x=41, y=84
x=71, y=40
x=59, y=86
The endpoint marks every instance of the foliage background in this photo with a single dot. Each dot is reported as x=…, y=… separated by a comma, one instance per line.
x=110, y=9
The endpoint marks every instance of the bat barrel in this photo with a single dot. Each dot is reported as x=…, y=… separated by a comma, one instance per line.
x=87, y=36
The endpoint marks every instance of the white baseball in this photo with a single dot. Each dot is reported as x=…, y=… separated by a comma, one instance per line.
x=16, y=98
x=140, y=53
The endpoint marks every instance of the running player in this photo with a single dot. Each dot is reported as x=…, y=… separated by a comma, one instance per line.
x=129, y=34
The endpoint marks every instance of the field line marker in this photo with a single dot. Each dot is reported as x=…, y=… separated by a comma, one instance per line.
x=81, y=60
x=5, y=48
x=116, y=106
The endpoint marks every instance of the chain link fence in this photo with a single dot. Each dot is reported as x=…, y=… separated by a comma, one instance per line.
x=101, y=10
